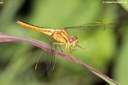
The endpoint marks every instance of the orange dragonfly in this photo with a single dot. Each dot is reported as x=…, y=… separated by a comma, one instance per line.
x=60, y=35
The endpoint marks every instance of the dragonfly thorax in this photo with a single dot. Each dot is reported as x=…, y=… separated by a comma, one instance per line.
x=73, y=40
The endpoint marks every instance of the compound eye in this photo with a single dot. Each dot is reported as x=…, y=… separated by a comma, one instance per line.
x=72, y=38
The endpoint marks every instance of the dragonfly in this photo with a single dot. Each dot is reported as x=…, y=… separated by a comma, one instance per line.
x=61, y=35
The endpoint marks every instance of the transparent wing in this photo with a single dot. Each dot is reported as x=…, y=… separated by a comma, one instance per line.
x=45, y=66
x=45, y=63
x=91, y=26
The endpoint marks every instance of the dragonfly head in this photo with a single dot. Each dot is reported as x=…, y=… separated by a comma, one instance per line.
x=73, y=40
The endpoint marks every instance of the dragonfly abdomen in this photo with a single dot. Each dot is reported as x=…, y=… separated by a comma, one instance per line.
x=39, y=29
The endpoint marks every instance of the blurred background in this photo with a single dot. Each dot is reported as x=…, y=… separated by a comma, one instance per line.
x=105, y=50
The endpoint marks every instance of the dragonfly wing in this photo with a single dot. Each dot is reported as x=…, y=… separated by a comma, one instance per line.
x=45, y=63
x=91, y=26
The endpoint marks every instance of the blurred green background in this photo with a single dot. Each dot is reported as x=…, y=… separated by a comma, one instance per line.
x=105, y=50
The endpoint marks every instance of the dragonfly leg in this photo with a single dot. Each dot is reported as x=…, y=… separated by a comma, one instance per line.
x=55, y=43
x=59, y=45
x=68, y=49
